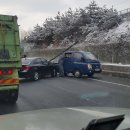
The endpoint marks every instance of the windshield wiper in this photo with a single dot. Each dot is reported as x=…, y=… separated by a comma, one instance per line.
x=110, y=123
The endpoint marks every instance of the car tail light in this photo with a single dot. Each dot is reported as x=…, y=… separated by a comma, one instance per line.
x=25, y=67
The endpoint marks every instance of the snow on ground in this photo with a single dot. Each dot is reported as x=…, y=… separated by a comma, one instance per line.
x=113, y=64
x=111, y=36
x=123, y=28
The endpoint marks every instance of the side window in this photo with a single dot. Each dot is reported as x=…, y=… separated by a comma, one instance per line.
x=37, y=61
x=68, y=55
x=44, y=61
x=78, y=56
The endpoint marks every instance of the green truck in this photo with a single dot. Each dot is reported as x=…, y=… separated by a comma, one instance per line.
x=10, y=59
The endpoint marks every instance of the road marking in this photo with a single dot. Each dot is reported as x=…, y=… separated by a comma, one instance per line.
x=100, y=114
x=110, y=82
x=94, y=95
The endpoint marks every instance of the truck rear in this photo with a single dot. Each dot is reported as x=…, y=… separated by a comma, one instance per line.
x=10, y=59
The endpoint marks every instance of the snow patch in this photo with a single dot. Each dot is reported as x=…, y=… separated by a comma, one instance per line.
x=121, y=65
x=121, y=29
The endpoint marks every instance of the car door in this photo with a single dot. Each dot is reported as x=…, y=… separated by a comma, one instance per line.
x=45, y=67
x=37, y=65
x=78, y=61
x=68, y=62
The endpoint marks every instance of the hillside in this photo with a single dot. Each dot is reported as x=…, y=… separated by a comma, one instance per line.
x=114, y=35
x=91, y=25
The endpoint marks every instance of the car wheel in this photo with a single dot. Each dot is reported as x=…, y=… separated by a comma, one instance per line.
x=35, y=76
x=77, y=74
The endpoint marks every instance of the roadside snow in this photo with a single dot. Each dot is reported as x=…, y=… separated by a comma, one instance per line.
x=123, y=28
x=113, y=64
x=112, y=36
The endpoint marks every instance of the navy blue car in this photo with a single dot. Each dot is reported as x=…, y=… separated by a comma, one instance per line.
x=80, y=63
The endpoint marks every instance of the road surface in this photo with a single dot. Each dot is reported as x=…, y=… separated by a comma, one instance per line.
x=104, y=91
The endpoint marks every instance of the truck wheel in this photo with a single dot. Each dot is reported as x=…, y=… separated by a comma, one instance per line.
x=77, y=74
x=35, y=76
x=13, y=96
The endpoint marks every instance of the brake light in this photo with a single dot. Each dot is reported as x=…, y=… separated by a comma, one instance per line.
x=6, y=72
x=26, y=67
x=0, y=72
x=9, y=72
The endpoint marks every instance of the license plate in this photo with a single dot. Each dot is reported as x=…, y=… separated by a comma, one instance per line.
x=97, y=69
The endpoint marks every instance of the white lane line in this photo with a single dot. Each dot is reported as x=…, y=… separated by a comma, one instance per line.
x=110, y=82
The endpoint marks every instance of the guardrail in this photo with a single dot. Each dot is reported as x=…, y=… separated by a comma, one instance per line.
x=123, y=12
x=118, y=70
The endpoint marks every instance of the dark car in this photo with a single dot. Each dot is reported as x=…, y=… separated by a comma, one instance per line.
x=36, y=68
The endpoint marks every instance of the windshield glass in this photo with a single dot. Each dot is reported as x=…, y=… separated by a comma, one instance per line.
x=75, y=55
x=90, y=56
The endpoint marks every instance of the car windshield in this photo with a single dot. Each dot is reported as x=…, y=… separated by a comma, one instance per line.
x=26, y=61
x=90, y=56
x=73, y=55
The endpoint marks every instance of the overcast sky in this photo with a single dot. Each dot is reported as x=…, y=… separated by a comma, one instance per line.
x=32, y=12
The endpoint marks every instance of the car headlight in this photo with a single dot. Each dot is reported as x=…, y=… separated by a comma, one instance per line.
x=89, y=66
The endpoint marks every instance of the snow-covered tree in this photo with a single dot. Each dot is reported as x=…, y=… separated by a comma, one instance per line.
x=90, y=22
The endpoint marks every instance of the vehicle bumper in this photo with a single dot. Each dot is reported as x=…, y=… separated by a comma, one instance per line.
x=24, y=75
x=87, y=72
x=98, y=71
x=5, y=90
x=91, y=71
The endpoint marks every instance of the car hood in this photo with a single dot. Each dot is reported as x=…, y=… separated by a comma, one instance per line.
x=60, y=118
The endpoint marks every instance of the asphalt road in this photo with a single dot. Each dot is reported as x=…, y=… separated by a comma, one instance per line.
x=104, y=91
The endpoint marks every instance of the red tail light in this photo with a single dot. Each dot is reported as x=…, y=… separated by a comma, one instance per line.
x=25, y=67
x=9, y=72
x=0, y=72
x=6, y=72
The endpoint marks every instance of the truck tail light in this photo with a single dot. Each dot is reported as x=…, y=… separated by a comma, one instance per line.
x=1, y=72
x=6, y=72
x=25, y=67
x=9, y=72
